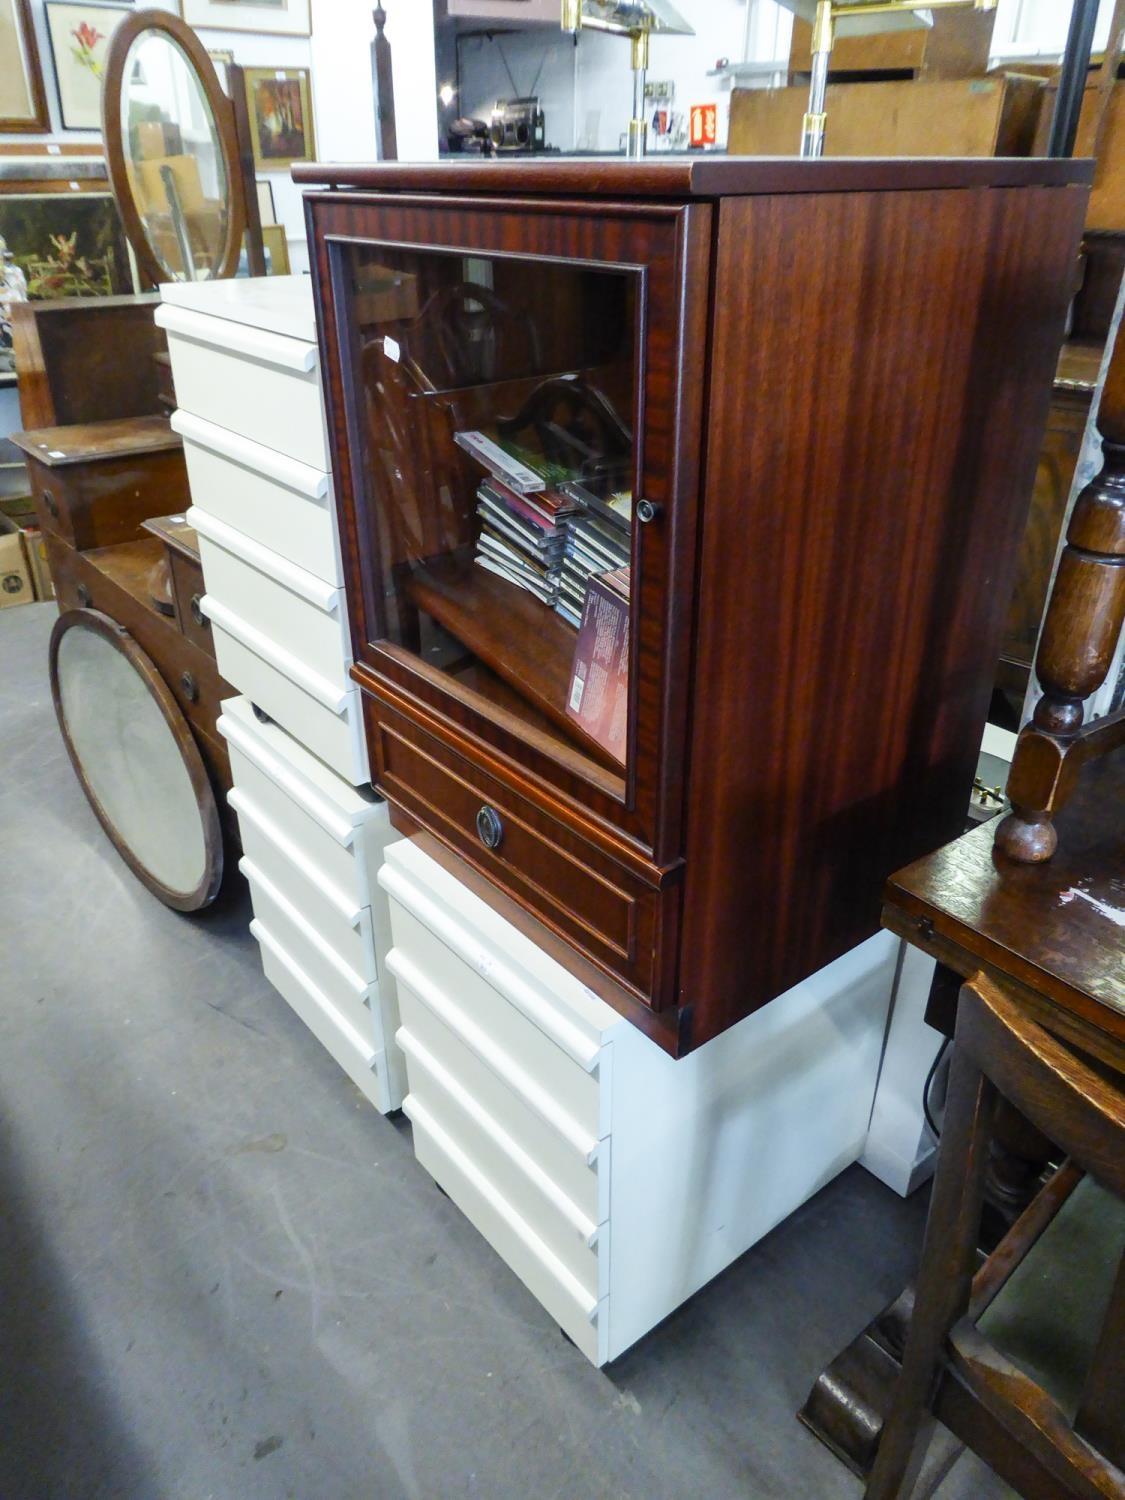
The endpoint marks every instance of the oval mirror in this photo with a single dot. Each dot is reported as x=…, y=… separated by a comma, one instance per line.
x=172, y=152
x=136, y=759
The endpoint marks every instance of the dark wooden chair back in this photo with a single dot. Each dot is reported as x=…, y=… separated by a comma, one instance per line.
x=950, y=1371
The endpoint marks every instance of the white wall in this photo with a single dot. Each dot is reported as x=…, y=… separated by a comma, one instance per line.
x=1031, y=28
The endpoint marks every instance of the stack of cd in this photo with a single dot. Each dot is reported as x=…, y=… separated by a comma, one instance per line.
x=521, y=537
x=597, y=540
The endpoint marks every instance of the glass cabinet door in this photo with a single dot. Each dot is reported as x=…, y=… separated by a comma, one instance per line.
x=495, y=403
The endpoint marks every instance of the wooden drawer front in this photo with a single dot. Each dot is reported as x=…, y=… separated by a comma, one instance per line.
x=352, y=1047
x=343, y=927
x=187, y=588
x=577, y=1313
x=328, y=970
x=508, y=1166
x=102, y=503
x=280, y=503
x=502, y=1086
x=309, y=707
x=303, y=615
x=262, y=385
x=573, y=887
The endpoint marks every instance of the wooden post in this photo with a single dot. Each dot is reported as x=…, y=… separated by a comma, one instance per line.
x=255, y=248
x=1080, y=633
x=382, y=79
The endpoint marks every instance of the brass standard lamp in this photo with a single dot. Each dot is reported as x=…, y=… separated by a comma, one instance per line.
x=636, y=19
x=855, y=17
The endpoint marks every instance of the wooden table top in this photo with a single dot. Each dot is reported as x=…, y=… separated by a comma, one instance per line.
x=1055, y=931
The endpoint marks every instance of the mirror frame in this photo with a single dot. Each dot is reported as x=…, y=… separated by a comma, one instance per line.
x=151, y=268
x=120, y=639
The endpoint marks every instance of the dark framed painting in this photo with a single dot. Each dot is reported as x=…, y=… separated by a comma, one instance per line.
x=66, y=244
x=279, y=103
x=23, y=99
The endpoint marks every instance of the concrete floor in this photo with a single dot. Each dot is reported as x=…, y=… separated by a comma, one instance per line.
x=223, y=1276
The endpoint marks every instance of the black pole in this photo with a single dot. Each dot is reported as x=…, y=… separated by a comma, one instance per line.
x=1072, y=78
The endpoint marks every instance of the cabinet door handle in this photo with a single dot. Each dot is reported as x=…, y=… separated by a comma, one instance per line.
x=490, y=830
x=648, y=510
x=51, y=503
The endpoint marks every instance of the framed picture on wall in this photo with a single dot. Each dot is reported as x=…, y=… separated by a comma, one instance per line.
x=80, y=35
x=279, y=102
x=279, y=17
x=23, y=99
x=66, y=245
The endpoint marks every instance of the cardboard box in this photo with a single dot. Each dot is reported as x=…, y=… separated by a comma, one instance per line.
x=970, y=117
x=36, y=550
x=16, y=586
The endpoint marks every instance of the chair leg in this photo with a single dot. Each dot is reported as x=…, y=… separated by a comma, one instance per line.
x=944, y=1280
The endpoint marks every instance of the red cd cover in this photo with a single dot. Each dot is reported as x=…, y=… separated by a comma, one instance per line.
x=599, y=682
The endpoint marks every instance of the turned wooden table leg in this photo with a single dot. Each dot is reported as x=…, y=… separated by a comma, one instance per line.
x=1080, y=633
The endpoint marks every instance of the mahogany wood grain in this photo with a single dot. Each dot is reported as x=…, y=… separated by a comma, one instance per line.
x=1055, y=929
x=851, y=363
x=670, y=244
x=102, y=501
x=881, y=497
x=700, y=176
x=115, y=582
x=86, y=359
x=519, y=639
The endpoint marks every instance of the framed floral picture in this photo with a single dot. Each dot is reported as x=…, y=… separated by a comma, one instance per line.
x=279, y=102
x=80, y=34
x=279, y=17
x=23, y=100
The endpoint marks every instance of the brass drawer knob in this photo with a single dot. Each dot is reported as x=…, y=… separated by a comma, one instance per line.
x=490, y=830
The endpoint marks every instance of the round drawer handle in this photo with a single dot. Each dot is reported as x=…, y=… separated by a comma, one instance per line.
x=85, y=598
x=197, y=612
x=190, y=687
x=51, y=503
x=490, y=830
x=648, y=510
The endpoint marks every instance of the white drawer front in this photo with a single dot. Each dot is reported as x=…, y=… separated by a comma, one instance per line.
x=277, y=405
x=486, y=1020
x=310, y=626
x=327, y=969
x=574, y=1160
x=342, y=925
x=278, y=502
x=575, y=1310
x=507, y=1164
x=329, y=722
x=352, y=1048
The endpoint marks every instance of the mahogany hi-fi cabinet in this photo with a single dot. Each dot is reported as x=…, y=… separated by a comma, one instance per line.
x=679, y=507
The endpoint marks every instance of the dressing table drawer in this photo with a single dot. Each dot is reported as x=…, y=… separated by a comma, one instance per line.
x=275, y=500
x=263, y=385
x=568, y=883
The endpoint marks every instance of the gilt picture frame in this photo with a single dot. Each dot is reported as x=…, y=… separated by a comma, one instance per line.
x=279, y=105
x=80, y=33
x=269, y=17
